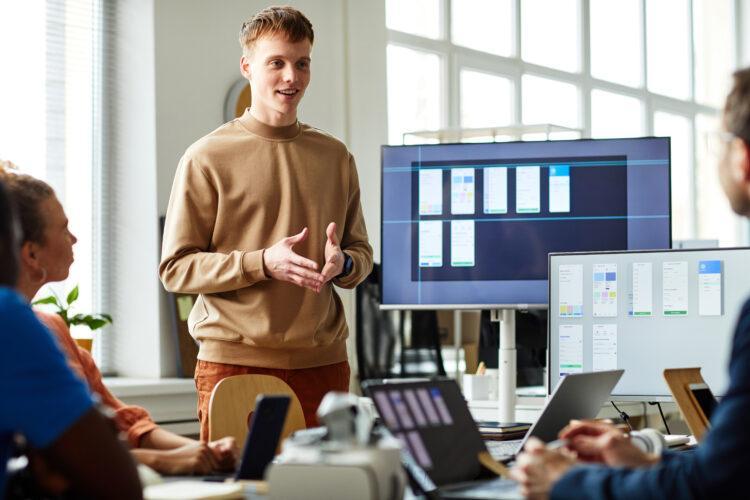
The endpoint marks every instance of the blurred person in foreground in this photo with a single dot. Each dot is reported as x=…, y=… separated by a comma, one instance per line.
x=46, y=254
x=45, y=403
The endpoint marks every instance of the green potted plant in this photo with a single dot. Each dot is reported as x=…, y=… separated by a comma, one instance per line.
x=92, y=321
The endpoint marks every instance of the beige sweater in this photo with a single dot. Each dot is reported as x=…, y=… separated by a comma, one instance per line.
x=238, y=190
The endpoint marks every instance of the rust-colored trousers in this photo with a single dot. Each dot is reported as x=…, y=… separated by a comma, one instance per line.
x=309, y=384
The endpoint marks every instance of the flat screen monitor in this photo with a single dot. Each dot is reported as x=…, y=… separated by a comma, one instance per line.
x=469, y=226
x=644, y=312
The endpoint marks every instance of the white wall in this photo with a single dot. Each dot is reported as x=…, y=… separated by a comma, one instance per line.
x=184, y=68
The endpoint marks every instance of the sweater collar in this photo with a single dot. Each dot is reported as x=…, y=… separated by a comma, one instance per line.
x=269, y=131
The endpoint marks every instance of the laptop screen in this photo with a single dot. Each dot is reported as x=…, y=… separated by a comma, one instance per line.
x=433, y=423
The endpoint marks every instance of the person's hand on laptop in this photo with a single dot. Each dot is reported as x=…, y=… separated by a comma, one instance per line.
x=192, y=458
x=226, y=452
x=604, y=443
x=537, y=468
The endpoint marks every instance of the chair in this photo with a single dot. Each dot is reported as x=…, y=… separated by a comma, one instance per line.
x=233, y=401
x=679, y=380
x=383, y=350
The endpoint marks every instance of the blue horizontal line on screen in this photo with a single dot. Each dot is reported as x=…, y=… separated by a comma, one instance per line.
x=612, y=163
x=527, y=219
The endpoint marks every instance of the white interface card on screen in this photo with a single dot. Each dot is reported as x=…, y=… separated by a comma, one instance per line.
x=527, y=190
x=430, y=192
x=462, y=243
x=559, y=188
x=462, y=191
x=605, y=347
x=430, y=243
x=570, y=279
x=709, y=288
x=496, y=190
x=571, y=349
x=675, y=288
x=643, y=289
x=605, y=290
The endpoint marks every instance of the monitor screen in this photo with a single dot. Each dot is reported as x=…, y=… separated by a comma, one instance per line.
x=644, y=312
x=470, y=225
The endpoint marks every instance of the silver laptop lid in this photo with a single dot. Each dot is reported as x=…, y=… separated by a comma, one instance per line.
x=577, y=396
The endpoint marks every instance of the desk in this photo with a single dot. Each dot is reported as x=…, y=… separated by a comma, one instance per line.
x=253, y=490
x=528, y=409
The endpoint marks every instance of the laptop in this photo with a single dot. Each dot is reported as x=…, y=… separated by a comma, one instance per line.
x=577, y=396
x=262, y=439
x=433, y=423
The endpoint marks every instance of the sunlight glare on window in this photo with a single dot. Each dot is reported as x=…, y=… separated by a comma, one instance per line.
x=418, y=17
x=616, y=41
x=413, y=92
x=548, y=101
x=679, y=129
x=550, y=33
x=668, y=47
x=713, y=22
x=492, y=31
x=486, y=100
x=615, y=115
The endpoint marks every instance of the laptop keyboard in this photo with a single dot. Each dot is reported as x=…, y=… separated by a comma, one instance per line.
x=503, y=449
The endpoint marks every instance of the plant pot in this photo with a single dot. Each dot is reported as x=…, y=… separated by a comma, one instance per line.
x=85, y=343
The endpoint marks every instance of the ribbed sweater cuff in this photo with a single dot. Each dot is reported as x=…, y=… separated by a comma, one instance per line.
x=252, y=266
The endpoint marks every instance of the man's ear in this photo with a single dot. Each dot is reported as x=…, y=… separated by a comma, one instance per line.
x=245, y=66
x=743, y=166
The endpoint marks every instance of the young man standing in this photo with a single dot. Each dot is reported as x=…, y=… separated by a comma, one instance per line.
x=263, y=217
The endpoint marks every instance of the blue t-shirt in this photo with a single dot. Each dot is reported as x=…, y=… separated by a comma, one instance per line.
x=39, y=396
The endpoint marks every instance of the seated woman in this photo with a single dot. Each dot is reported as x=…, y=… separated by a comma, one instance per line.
x=46, y=404
x=46, y=256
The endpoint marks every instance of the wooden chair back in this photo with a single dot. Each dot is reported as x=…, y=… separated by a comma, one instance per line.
x=233, y=401
x=678, y=380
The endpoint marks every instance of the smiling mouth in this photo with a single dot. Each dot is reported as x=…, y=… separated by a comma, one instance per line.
x=288, y=92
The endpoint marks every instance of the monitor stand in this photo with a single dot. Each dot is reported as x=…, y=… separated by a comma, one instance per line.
x=506, y=364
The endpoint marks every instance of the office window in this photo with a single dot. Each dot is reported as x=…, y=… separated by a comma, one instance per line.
x=714, y=50
x=550, y=101
x=679, y=129
x=668, y=49
x=50, y=97
x=413, y=91
x=492, y=31
x=418, y=17
x=651, y=67
x=617, y=41
x=550, y=33
x=615, y=115
x=715, y=218
x=486, y=100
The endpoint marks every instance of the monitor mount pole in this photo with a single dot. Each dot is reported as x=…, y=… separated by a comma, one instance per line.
x=506, y=364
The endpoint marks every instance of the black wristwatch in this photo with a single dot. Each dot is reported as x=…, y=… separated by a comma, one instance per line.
x=348, y=265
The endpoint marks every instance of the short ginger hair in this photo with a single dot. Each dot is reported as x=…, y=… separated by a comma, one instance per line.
x=275, y=20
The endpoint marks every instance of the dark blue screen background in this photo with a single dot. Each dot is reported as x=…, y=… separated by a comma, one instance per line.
x=619, y=199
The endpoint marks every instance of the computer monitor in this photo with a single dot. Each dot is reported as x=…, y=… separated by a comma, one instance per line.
x=644, y=312
x=469, y=226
